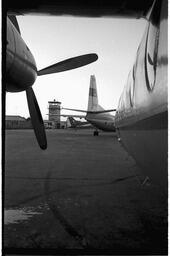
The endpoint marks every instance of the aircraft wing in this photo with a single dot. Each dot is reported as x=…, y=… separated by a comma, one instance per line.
x=78, y=110
x=65, y=115
x=101, y=111
x=91, y=112
x=95, y=8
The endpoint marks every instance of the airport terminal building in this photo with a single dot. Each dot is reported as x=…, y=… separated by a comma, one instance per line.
x=17, y=122
x=53, y=122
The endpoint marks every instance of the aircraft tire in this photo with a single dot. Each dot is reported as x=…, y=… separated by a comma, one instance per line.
x=95, y=133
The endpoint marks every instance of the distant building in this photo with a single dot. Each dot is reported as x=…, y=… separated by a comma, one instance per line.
x=54, y=114
x=17, y=122
x=49, y=124
x=52, y=125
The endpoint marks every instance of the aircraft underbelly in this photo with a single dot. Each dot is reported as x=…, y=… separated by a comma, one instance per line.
x=146, y=141
x=103, y=125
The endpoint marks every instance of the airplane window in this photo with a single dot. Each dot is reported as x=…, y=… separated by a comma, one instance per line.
x=131, y=94
x=130, y=89
x=136, y=64
x=134, y=73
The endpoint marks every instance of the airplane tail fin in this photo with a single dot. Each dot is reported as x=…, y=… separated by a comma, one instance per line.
x=93, y=99
x=93, y=104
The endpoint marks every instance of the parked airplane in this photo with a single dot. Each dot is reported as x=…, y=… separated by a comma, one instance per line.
x=95, y=114
x=72, y=123
x=21, y=73
x=142, y=115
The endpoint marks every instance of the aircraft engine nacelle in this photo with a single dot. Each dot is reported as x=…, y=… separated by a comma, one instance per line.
x=21, y=71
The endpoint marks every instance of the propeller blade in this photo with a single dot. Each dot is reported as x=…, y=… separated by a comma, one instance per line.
x=36, y=118
x=68, y=64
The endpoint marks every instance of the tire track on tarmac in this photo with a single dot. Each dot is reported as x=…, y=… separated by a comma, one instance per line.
x=27, y=200
x=59, y=217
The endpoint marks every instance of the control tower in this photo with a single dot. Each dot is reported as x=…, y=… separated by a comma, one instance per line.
x=54, y=113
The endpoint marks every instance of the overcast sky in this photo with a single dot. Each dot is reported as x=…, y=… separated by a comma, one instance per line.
x=53, y=39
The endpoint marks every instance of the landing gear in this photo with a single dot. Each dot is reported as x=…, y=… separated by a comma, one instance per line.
x=95, y=133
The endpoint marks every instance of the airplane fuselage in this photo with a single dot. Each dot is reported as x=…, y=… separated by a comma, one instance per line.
x=21, y=71
x=141, y=119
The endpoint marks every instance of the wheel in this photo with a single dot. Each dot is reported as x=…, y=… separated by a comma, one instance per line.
x=95, y=133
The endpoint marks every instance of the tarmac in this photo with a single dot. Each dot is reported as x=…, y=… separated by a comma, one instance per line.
x=83, y=193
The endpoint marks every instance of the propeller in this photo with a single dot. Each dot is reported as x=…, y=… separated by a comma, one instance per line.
x=35, y=114
x=36, y=118
x=68, y=64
